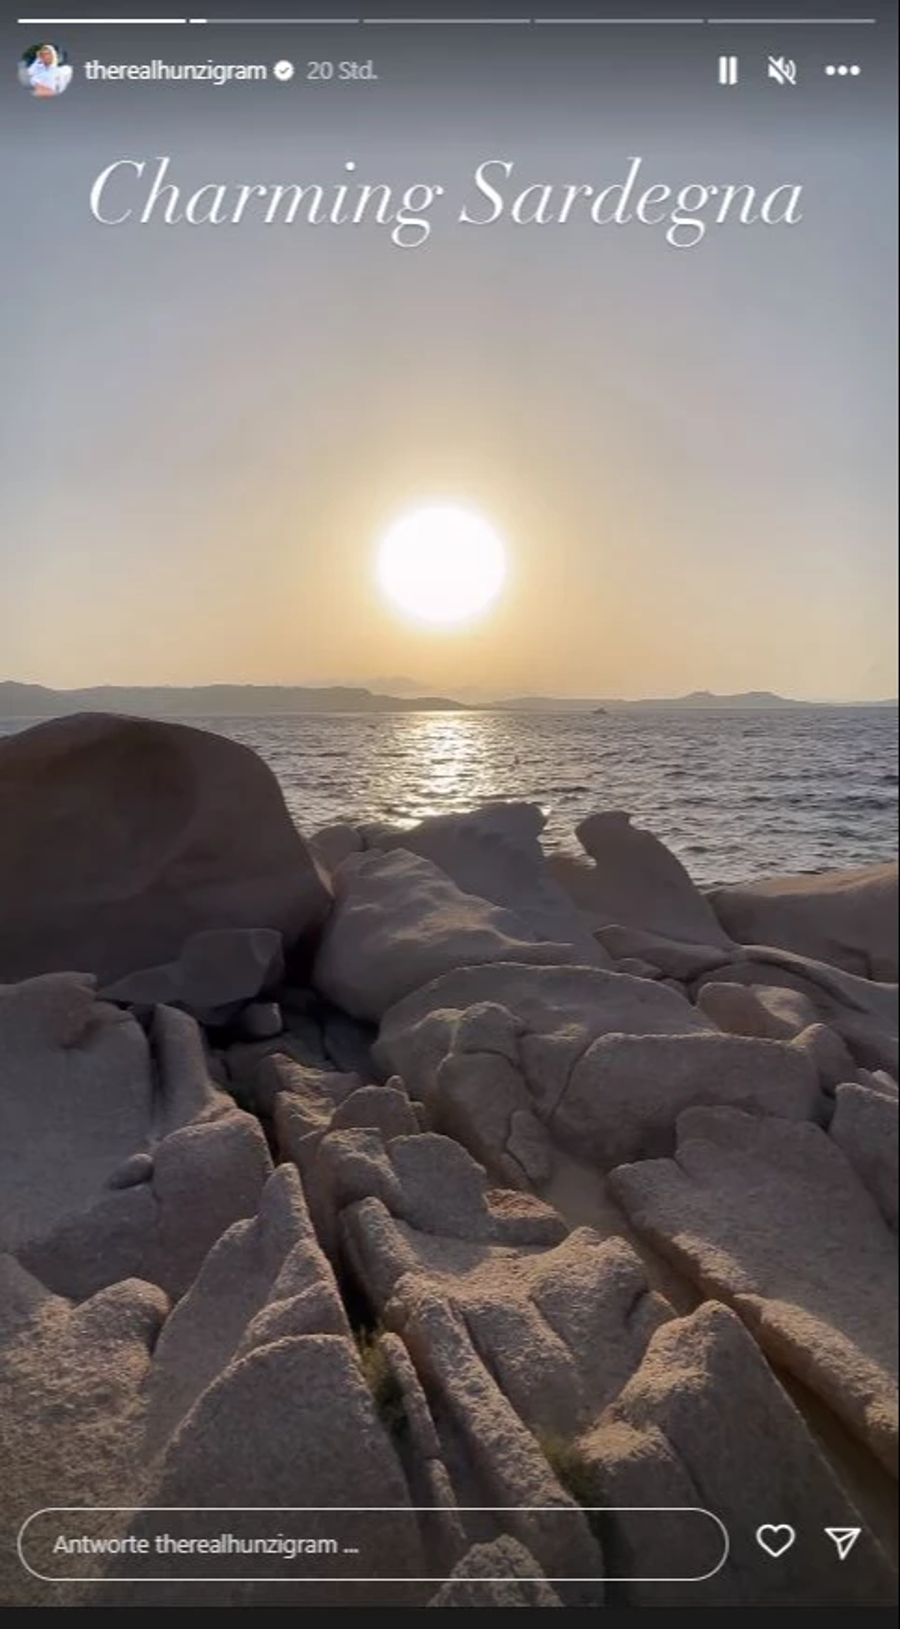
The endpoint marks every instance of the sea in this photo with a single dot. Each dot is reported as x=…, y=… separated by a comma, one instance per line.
x=736, y=794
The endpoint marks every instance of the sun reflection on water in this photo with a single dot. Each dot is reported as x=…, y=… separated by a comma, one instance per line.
x=453, y=765
x=714, y=787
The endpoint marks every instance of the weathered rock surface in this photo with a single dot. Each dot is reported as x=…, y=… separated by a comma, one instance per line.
x=216, y=972
x=847, y=918
x=426, y=1180
x=316, y=1092
x=794, y=991
x=698, y=1424
x=71, y=1405
x=605, y=1061
x=771, y=1217
x=76, y=1099
x=560, y=1320
x=499, y=1574
x=122, y=837
x=203, y=1177
x=829, y=1055
x=635, y=882
x=681, y=959
x=244, y=1065
x=132, y=1172
x=399, y=922
x=387, y=1108
x=862, y=1011
x=479, y=1429
x=403, y=1407
x=316, y=1438
x=509, y=1369
x=184, y=1089
x=115, y=1164
x=878, y=1080
x=495, y=853
x=561, y=1328
x=865, y=1128
x=624, y=1095
x=529, y=1317
x=495, y=1008
x=264, y=1279
x=766, y=1011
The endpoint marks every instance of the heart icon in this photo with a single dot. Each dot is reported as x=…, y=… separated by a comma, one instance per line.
x=775, y=1541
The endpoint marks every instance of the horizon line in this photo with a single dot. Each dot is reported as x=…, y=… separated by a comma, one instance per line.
x=438, y=694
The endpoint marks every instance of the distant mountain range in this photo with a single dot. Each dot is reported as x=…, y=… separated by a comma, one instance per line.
x=208, y=700
x=697, y=701
x=267, y=701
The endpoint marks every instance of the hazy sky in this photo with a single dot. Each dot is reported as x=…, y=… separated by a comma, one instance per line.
x=690, y=453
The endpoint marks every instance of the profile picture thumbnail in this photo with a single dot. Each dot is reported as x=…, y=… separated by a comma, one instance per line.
x=44, y=69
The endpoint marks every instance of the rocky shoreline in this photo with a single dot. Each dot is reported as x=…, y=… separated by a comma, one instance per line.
x=414, y=1169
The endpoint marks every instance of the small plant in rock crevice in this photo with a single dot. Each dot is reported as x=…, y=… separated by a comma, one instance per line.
x=387, y=1393
x=569, y=1465
x=574, y=1473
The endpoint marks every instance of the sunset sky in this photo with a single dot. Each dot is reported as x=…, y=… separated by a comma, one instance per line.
x=205, y=432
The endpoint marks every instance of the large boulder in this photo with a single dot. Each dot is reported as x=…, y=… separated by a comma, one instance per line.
x=495, y=852
x=121, y=837
x=848, y=918
x=399, y=922
x=607, y=1062
x=635, y=882
x=500, y=1006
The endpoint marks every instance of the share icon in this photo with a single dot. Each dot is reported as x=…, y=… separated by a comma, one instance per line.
x=843, y=1539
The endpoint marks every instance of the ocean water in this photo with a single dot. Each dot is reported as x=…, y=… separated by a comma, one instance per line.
x=735, y=794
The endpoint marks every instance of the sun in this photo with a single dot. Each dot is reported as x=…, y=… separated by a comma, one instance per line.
x=441, y=564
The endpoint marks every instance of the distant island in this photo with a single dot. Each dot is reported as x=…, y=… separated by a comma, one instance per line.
x=696, y=701
x=36, y=701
